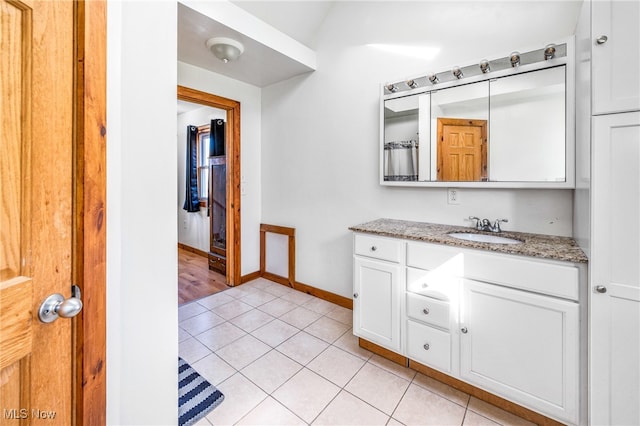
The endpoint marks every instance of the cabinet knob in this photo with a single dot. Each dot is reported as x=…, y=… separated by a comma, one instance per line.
x=374, y=248
x=426, y=346
x=602, y=39
x=425, y=311
x=601, y=289
x=464, y=330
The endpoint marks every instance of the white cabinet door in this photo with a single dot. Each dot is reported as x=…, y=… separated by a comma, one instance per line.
x=616, y=59
x=522, y=346
x=376, y=302
x=614, y=299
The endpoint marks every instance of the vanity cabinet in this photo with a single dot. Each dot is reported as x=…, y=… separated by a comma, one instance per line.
x=376, y=292
x=507, y=324
x=521, y=345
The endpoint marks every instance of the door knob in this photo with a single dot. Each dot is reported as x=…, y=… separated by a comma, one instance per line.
x=56, y=306
x=602, y=39
x=601, y=289
x=464, y=330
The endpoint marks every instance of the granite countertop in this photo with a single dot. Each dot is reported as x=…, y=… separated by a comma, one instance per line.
x=534, y=245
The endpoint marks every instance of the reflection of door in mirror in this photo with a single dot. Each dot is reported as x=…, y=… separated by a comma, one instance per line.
x=462, y=149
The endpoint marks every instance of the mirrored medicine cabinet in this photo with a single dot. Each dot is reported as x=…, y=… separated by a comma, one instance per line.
x=509, y=129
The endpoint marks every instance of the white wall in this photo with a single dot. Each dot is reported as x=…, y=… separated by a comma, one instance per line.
x=320, y=132
x=142, y=293
x=250, y=150
x=193, y=228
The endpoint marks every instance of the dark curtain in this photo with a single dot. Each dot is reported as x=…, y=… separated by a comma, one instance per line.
x=216, y=138
x=192, y=199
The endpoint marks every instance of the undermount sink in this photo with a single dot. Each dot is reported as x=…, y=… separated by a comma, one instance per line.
x=484, y=238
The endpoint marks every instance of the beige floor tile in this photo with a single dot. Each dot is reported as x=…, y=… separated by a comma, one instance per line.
x=306, y=394
x=346, y=409
x=349, y=342
x=258, y=297
x=275, y=332
x=303, y=347
x=320, y=306
x=201, y=322
x=422, y=407
x=240, y=397
x=220, y=336
x=251, y=320
x=214, y=369
x=378, y=387
x=277, y=307
x=297, y=297
x=260, y=283
x=279, y=290
x=496, y=414
x=239, y=292
x=243, y=351
x=336, y=365
x=393, y=422
x=191, y=350
x=183, y=335
x=215, y=300
x=441, y=389
x=190, y=310
x=474, y=419
x=327, y=329
x=270, y=371
x=271, y=412
x=341, y=314
x=232, y=309
x=392, y=367
x=300, y=317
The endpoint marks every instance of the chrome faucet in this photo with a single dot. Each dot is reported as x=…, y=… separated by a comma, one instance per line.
x=485, y=224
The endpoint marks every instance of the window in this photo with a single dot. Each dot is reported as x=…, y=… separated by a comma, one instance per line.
x=203, y=164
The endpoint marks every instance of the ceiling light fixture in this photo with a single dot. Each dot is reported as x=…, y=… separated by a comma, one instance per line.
x=224, y=48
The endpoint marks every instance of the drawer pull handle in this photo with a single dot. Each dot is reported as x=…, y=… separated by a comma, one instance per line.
x=426, y=346
x=464, y=330
x=374, y=248
x=425, y=311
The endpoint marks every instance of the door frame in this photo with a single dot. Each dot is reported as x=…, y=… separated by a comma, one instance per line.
x=90, y=183
x=232, y=108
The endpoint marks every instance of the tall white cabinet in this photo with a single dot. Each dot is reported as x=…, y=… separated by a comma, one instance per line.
x=614, y=299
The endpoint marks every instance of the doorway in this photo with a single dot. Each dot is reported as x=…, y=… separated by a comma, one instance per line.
x=231, y=109
x=462, y=149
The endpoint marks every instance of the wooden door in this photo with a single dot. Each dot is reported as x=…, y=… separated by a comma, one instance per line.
x=462, y=149
x=36, y=170
x=614, y=299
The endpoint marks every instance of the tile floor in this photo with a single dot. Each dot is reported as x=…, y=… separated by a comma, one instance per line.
x=283, y=357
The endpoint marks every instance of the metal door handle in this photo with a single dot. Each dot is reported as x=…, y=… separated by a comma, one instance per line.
x=464, y=330
x=602, y=39
x=601, y=289
x=56, y=306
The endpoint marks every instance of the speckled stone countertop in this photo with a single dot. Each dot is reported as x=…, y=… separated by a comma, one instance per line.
x=533, y=245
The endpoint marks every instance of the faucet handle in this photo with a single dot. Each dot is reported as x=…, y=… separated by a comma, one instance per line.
x=496, y=225
x=478, y=223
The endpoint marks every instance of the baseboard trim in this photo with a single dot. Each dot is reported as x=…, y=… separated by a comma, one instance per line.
x=249, y=277
x=193, y=250
x=476, y=392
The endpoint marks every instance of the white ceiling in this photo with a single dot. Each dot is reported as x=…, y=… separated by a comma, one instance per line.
x=302, y=20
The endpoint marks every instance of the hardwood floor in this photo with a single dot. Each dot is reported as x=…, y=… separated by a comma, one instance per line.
x=195, y=280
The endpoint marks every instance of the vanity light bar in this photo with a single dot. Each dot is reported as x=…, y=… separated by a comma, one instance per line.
x=485, y=66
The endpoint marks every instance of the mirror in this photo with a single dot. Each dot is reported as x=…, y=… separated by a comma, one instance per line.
x=510, y=129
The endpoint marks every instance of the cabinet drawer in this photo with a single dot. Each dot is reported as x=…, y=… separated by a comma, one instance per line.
x=378, y=247
x=433, y=283
x=426, y=309
x=429, y=346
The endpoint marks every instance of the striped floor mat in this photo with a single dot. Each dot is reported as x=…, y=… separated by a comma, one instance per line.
x=196, y=396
